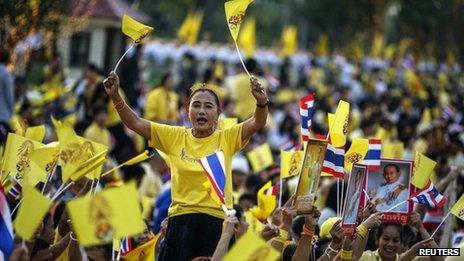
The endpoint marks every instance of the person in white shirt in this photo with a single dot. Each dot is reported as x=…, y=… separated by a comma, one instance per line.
x=392, y=192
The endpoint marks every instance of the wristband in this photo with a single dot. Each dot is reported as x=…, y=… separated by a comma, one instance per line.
x=71, y=236
x=307, y=232
x=262, y=105
x=362, y=231
x=346, y=255
x=283, y=233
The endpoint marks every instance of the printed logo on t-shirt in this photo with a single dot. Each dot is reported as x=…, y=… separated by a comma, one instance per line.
x=184, y=156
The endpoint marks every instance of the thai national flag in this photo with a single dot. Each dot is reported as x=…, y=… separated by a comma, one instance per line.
x=272, y=191
x=430, y=197
x=306, y=113
x=372, y=159
x=334, y=161
x=214, y=166
x=6, y=228
x=126, y=245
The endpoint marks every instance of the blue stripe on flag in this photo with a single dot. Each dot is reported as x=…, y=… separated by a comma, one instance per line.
x=373, y=154
x=217, y=170
x=6, y=241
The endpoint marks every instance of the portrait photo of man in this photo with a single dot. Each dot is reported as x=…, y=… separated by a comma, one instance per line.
x=392, y=191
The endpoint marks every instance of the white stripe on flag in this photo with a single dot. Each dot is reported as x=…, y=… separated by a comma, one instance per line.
x=330, y=165
x=303, y=112
x=310, y=104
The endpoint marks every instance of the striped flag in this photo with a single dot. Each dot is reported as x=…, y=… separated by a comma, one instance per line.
x=6, y=229
x=214, y=167
x=372, y=159
x=430, y=197
x=126, y=245
x=306, y=113
x=334, y=161
x=15, y=190
x=272, y=191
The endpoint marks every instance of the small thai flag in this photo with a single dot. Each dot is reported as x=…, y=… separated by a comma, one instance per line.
x=15, y=191
x=6, y=229
x=126, y=245
x=430, y=197
x=214, y=167
x=372, y=159
x=272, y=191
x=306, y=113
x=334, y=161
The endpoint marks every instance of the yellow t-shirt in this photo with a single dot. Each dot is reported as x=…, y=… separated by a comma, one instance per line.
x=161, y=105
x=98, y=134
x=370, y=255
x=183, y=151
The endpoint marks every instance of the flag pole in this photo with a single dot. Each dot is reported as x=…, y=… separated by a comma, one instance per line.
x=280, y=192
x=338, y=197
x=16, y=207
x=49, y=176
x=58, y=193
x=122, y=57
x=241, y=60
x=399, y=204
x=441, y=223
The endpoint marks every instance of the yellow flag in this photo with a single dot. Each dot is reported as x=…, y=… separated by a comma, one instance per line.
x=134, y=29
x=290, y=163
x=225, y=123
x=139, y=158
x=36, y=133
x=393, y=150
x=251, y=247
x=88, y=167
x=339, y=127
x=458, y=208
x=266, y=203
x=423, y=167
x=377, y=46
x=194, y=30
x=289, y=40
x=184, y=29
x=31, y=212
x=17, y=125
x=253, y=224
x=145, y=252
x=112, y=213
x=322, y=46
x=356, y=153
x=260, y=157
x=247, y=37
x=235, y=12
x=46, y=156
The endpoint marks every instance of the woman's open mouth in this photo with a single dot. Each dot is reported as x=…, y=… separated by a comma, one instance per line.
x=202, y=120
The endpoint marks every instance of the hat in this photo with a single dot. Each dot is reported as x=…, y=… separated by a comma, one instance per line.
x=240, y=163
x=327, y=226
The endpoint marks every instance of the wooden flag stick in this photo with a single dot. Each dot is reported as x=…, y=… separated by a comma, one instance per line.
x=122, y=57
x=241, y=60
x=49, y=176
x=441, y=223
x=399, y=204
x=16, y=207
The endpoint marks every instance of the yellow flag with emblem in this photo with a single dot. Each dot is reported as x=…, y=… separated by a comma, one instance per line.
x=458, y=208
x=134, y=29
x=145, y=252
x=356, y=153
x=423, y=167
x=36, y=133
x=31, y=212
x=251, y=247
x=235, y=12
x=89, y=166
x=46, y=156
x=247, y=37
x=393, y=150
x=266, y=203
x=112, y=213
x=290, y=163
x=260, y=157
x=338, y=128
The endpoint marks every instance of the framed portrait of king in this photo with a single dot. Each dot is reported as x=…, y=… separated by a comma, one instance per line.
x=389, y=189
x=355, y=199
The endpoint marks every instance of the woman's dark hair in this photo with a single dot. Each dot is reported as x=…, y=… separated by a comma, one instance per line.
x=238, y=212
x=384, y=226
x=165, y=78
x=216, y=98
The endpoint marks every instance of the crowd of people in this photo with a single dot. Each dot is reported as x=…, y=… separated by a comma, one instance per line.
x=170, y=98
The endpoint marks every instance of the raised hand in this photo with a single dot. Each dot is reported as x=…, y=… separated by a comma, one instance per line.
x=258, y=91
x=111, y=84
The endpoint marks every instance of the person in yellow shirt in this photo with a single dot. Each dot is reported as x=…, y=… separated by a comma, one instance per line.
x=195, y=219
x=161, y=105
x=97, y=131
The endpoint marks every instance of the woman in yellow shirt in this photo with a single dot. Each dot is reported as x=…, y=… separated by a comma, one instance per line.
x=195, y=219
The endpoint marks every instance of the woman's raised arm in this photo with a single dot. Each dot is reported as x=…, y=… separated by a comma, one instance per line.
x=127, y=115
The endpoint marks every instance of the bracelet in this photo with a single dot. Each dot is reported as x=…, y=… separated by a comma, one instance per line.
x=262, y=105
x=283, y=233
x=307, y=232
x=346, y=255
x=71, y=236
x=362, y=231
x=119, y=105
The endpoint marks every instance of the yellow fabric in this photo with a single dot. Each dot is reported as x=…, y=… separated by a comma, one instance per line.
x=36, y=133
x=114, y=212
x=161, y=105
x=266, y=203
x=184, y=29
x=370, y=255
x=98, y=134
x=377, y=46
x=254, y=224
x=423, y=167
x=393, y=150
x=183, y=152
x=339, y=127
x=31, y=212
x=65, y=254
x=235, y=12
x=17, y=124
x=327, y=226
x=251, y=247
x=290, y=163
x=227, y=122
x=139, y=158
x=458, y=208
x=260, y=157
x=322, y=46
x=245, y=103
x=91, y=167
x=247, y=37
x=134, y=29
x=356, y=153
x=289, y=40
x=194, y=29
x=145, y=252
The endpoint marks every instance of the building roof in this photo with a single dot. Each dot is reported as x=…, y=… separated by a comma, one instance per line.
x=106, y=9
